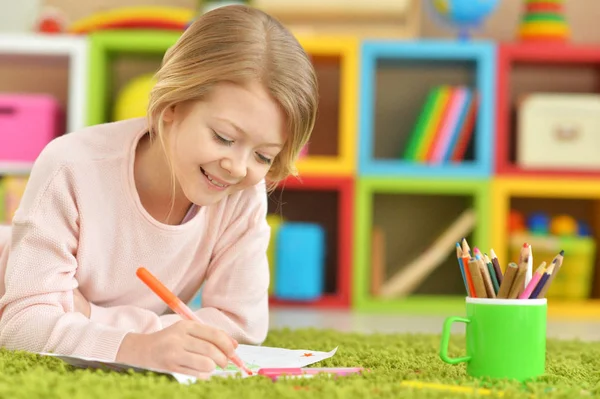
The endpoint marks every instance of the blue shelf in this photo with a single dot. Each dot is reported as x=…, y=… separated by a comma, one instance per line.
x=483, y=56
x=390, y=167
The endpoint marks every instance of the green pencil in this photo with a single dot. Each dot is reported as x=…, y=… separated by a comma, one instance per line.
x=492, y=270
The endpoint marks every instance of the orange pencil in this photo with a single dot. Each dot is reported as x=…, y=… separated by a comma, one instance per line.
x=177, y=305
x=466, y=257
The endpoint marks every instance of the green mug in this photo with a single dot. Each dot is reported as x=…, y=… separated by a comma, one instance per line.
x=506, y=338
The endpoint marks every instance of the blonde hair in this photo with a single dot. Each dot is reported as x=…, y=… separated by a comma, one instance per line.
x=240, y=44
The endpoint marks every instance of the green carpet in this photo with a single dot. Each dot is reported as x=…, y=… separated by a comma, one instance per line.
x=571, y=367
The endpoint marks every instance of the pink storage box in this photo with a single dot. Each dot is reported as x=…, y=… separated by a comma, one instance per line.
x=28, y=122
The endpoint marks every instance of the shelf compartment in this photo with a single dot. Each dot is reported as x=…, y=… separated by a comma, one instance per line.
x=527, y=68
x=396, y=77
x=579, y=198
x=327, y=201
x=413, y=212
x=52, y=64
x=117, y=55
x=332, y=147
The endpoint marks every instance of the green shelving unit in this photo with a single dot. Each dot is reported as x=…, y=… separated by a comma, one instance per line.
x=410, y=230
x=105, y=47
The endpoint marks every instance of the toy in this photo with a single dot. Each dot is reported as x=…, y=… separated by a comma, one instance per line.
x=563, y=225
x=300, y=260
x=538, y=223
x=274, y=221
x=543, y=20
x=51, y=20
x=516, y=221
x=583, y=229
x=149, y=17
x=132, y=100
x=464, y=14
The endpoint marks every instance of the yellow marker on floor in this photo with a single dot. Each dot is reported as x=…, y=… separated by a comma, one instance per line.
x=462, y=389
x=451, y=388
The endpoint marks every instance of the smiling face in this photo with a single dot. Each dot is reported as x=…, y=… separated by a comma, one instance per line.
x=225, y=143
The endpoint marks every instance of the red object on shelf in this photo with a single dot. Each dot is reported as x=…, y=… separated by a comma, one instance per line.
x=532, y=53
x=345, y=187
x=544, y=7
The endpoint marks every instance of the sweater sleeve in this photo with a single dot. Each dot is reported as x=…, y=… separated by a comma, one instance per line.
x=36, y=309
x=235, y=293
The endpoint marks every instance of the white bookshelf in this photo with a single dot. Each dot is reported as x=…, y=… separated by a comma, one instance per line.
x=15, y=168
x=75, y=48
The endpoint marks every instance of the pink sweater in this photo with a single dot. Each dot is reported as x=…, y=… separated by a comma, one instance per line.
x=81, y=224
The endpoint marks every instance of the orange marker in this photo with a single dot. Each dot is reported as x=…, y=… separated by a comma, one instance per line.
x=177, y=305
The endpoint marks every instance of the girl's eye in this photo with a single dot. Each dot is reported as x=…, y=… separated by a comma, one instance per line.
x=263, y=159
x=222, y=140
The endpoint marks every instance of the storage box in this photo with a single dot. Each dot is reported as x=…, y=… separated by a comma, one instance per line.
x=300, y=255
x=559, y=131
x=27, y=123
x=574, y=280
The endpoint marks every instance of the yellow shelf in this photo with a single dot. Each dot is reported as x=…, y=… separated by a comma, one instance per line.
x=505, y=188
x=588, y=310
x=347, y=49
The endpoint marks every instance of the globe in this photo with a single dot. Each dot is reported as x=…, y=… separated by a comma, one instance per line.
x=462, y=14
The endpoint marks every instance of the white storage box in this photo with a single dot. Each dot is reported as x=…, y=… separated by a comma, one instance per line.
x=559, y=131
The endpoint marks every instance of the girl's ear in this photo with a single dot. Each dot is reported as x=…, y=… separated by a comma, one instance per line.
x=169, y=114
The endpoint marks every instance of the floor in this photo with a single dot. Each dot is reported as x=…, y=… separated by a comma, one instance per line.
x=369, y=323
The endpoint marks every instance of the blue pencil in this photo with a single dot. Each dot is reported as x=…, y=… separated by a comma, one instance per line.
x=461, y=266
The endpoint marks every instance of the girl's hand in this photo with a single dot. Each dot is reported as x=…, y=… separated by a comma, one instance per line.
x=186, y=347
x=81, y=304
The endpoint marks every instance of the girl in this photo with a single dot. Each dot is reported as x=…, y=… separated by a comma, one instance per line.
x=182, y=193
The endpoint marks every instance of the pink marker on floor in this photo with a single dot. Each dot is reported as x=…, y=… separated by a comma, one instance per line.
x=275, y=373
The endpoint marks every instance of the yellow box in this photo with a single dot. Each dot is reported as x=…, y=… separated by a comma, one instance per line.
x=574, y=281
x=274, y=222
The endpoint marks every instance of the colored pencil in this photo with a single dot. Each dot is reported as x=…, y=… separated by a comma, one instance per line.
x=529, y=270
x=535, y=279
x=557, y=262
x=477, y=279
x=466, y=257
x=461, y=267
x=543, y=283
x=496, y=264
x=519, y=284
x=523, y=253
x=492, y=271
x=487, y=280
x=507, y=282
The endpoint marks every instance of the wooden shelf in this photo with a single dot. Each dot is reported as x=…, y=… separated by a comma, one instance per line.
x=32, y=51
x=526, y=67
x=395, y=79
x=455, y=306
x=15, y=168
x=413, y=212
x=332, y=148
x=327, y=201
x=577, y=197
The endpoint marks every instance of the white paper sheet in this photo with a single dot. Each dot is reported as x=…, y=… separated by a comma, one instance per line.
x=255, y=358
